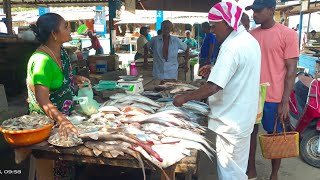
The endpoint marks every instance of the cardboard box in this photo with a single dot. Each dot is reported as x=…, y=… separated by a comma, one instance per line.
x=112, y=61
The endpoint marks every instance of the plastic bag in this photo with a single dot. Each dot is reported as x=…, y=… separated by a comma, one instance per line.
x=262, y=99
x=88, y=105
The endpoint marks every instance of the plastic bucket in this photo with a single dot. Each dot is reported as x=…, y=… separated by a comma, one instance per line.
x=101, y=66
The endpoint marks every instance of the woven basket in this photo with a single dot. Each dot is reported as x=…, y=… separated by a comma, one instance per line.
x=279, y=145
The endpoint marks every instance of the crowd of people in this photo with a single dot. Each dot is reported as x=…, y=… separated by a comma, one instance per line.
x=234, y=60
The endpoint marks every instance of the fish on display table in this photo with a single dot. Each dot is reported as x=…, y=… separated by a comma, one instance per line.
x=139, y=126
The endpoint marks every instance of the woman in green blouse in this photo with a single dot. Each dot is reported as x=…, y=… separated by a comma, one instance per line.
x=49, y=77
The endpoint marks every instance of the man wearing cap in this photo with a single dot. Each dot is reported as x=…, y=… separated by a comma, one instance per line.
x=279, y=52
x=192, y=43
x=233, y=90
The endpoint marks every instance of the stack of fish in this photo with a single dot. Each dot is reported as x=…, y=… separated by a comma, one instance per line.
x=139, y=126
x=196, y=111
x=169, y=89
x=26, y=122
x=121, y=100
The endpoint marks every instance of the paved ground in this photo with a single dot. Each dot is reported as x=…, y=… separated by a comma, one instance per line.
x=291, y=169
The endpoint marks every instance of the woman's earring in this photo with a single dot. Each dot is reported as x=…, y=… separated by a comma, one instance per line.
x=55, y=38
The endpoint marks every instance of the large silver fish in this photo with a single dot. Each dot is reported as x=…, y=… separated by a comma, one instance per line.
x=138, y=98
x=196, y=108
x=148, y=108
x=188, y=135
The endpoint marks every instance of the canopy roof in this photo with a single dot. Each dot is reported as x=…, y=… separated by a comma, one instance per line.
x=148, y=17
x=167, y=5
x=294, y=9
x=55, y=3
x=176, y=5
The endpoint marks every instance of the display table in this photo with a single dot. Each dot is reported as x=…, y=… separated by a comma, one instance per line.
x=82, y=154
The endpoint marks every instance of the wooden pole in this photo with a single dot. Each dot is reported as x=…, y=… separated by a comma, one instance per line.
x=7, y=9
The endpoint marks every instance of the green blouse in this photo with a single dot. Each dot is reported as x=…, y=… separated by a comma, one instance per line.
x=43, y=70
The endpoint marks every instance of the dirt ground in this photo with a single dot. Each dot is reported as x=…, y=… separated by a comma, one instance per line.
x=291, y=168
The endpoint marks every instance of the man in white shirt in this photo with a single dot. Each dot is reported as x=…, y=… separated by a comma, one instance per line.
x=233, y=90
x=165, y=49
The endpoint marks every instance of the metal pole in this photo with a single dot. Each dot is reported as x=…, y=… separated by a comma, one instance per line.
x=7, y=9
x=308, y=24
x=300, y=27
x=112, y=14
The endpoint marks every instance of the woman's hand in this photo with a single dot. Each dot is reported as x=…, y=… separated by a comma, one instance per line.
x=67, y=129
x=81, y=80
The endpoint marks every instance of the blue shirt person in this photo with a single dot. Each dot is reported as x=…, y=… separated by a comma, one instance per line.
x=165, y=53
x=192, y=43
x=210, y=46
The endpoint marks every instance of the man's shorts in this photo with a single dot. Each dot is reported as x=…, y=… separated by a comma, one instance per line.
x=270, y=111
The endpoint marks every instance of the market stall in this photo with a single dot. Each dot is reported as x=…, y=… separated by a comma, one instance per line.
x=128, y=130
x=309, y=54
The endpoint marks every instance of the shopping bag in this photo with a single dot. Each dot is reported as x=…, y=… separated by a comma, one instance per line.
x=279, y=145
x=88, y=105
x=262, y=99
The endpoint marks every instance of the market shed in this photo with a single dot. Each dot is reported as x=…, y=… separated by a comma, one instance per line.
x=176, y=5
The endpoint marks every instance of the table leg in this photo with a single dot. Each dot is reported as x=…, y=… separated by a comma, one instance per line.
x=32, y=168
x=44, y=169
x=188, y=175
x=170, y=171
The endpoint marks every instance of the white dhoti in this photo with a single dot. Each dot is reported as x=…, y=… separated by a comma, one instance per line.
x=233, y=154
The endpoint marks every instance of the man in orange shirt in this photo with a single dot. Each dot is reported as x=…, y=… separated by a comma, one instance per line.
x=279, y=51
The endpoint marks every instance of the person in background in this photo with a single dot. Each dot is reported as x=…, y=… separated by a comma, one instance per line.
x=192, y=43
x=3, y=26
x=304, y=37
x=165, y=54
x=50, y=86
x=232, y=89
x=95, y=44
x=159, y=32
x=82, y=29
x=209, y=49
x=245, y=21
x=314, y=36
x=280, y=53
x=141, y=41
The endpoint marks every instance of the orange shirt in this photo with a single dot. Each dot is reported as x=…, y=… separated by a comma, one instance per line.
x=277, y=44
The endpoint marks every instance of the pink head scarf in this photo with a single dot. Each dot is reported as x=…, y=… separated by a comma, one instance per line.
x=227, y=11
